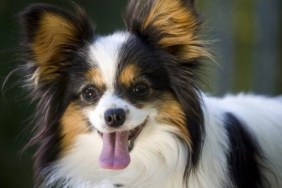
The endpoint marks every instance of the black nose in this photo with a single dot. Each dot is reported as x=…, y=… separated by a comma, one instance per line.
x=114, y=117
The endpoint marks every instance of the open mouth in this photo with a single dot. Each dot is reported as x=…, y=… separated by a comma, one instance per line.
x=133, y=134
x=116, y=147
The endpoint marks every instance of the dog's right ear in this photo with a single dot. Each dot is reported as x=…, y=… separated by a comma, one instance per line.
x=50, y=36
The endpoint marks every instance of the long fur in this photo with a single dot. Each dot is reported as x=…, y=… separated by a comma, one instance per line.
x=150, y=71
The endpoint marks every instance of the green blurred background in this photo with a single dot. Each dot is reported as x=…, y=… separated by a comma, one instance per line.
x=246, y=37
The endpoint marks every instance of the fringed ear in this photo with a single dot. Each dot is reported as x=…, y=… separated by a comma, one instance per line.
x=54, y=42
x=51, y=35
x=172, y=25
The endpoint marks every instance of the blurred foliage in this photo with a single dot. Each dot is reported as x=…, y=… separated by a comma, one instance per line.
x=248, y=51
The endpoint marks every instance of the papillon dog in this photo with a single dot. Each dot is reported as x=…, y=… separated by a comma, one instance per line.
x=125, y=109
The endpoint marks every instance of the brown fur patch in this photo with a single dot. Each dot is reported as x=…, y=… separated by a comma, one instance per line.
x=128, y=74
x=171, y=112
x=94, y=76
x=53, y=31
x=174, y=23
x=73, y=123
x=180, y=26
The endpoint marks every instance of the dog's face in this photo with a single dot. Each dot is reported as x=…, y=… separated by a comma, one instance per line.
x=123, y=88
x=107, y=99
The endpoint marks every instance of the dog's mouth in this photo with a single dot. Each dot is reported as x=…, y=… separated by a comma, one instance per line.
x=133, y=134
x=116, y=147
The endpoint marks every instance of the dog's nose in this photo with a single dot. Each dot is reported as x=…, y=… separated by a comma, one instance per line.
x=114, y=117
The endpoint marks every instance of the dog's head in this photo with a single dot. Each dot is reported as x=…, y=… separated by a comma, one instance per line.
x=104, y=101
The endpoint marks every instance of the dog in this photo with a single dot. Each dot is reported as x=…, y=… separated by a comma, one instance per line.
x=126, y=110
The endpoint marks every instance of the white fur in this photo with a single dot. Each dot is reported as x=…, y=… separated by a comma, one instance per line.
x=212, y=171
x=156, y=161
x=104, y=53
x=263, y=117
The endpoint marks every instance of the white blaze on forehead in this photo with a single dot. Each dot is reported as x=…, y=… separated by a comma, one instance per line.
x=104, y=53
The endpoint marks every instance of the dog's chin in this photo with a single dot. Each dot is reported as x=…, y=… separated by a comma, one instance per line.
x=117, y=146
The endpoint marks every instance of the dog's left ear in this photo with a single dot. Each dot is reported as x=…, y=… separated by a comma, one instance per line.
x=172, y=25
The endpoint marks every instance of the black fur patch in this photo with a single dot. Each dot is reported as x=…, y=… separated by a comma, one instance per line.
x=244, y=156
x=135, y=52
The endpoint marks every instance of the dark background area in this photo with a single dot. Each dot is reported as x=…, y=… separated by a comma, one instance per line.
x=246, y=37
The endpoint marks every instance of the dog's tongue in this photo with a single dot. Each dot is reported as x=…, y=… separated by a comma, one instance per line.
x=115, y=153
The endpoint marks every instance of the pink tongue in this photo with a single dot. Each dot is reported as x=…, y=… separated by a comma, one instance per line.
x=115, y=153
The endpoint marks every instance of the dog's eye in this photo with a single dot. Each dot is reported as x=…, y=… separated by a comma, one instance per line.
x=90, y=93
x=141, y=89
